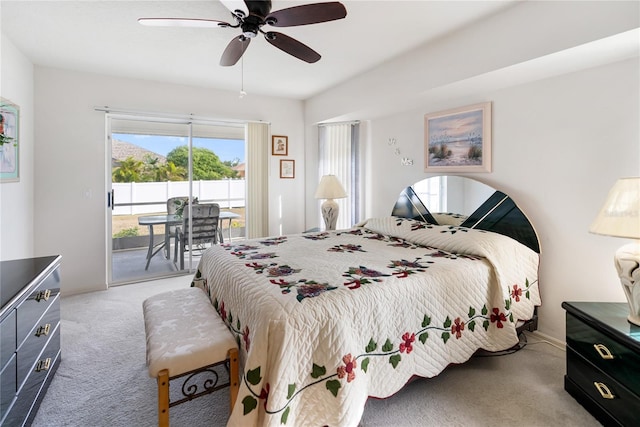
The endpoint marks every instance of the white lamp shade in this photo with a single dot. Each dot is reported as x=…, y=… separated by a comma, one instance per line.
x=330, y=188
x=620, y=214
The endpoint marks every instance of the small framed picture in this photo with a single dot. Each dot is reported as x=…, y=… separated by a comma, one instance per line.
x=287, y=168
x=9, y=141
x=279, y=145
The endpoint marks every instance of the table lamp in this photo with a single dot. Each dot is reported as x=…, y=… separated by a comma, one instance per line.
x=329, y=189
x=620, y=217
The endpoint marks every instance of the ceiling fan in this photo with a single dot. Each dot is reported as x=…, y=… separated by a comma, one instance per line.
x=251, y=15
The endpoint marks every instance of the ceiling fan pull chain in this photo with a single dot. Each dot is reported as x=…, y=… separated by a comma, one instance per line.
x=242, y=92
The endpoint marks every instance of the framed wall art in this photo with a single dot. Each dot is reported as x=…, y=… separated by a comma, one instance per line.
x=458, y=140
x=9, y=141
x=287, y=168
x=279, y=145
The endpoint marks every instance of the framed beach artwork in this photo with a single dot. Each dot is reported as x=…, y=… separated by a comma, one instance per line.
x=279, y=145
x=287, y=168
x=458, y=140
x=9, y=141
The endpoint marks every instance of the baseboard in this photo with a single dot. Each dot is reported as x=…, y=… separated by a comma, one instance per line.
x=549, y=339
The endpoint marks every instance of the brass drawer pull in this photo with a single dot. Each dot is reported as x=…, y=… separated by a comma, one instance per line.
x=43, y=365
x=603, y=351
x=604, y=390
x=43, y=330
x=43, y=295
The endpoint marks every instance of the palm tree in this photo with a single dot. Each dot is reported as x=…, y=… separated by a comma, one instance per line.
x=129, y=170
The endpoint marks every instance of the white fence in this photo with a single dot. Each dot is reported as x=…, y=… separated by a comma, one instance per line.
x=133, y=198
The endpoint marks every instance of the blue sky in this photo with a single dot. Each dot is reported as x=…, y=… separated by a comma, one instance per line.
x=226, y=149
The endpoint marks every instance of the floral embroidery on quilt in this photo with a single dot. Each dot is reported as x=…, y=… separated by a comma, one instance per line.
x=516, y=292
x=454, y=229
x=351, y=248
x=415, y=225
x=257, y=255
x=347, y=369
x=320, y=236
x=360, y=276
x=273, y=269
x=258, y=267
x=439, y=253
x=273, y=241
x=353, y=232
x=403, y=268
x=281, y=270
x=238, y=249
x=304, y=288
x=236, y=329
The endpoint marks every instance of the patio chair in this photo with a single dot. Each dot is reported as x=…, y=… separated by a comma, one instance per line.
x=204, y=229
x=173, y=205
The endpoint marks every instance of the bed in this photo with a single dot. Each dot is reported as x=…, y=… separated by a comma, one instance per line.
x=325, y=320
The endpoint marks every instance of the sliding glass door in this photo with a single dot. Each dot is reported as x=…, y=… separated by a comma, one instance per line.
x=156, y=167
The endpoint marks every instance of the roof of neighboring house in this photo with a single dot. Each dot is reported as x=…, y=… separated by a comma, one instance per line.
x=121, y=150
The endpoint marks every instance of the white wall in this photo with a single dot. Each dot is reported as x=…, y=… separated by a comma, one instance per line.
x=16, y=198
x=565, y=127
x=70, y=158
x=529, y=41
x=559, y=144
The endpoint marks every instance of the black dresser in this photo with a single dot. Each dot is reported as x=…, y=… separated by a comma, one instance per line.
x=603, y=361
x=30, y=335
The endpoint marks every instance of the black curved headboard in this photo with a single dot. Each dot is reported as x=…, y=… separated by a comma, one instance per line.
x=499, y=213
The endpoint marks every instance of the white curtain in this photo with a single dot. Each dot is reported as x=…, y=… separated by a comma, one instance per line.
x=338, y=144
x=257, y=179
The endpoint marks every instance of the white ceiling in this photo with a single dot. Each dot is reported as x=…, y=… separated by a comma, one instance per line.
x=104, y=37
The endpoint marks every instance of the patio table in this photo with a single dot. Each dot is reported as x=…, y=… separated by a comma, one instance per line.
x=171, y=219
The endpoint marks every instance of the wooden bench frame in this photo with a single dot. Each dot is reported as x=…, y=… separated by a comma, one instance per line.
x=164, y=397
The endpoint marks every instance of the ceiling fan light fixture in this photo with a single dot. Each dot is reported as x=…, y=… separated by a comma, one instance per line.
x=249, y=30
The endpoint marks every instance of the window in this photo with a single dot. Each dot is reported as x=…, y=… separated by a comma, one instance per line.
x=339, y=156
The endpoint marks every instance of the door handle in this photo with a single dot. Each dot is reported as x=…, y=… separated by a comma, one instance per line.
x=111, y=199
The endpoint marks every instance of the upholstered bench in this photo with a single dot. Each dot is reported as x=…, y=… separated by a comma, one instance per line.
x=187, y=339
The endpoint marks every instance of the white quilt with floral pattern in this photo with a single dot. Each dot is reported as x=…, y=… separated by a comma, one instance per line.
x=325, y=320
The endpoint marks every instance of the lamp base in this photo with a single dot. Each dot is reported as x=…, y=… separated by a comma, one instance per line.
x=330, y=212
x=627, y=261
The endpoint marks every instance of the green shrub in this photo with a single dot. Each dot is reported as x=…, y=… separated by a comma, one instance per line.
x=127, y=232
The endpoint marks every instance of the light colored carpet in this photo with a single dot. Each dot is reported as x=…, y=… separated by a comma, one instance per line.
x=103, y=380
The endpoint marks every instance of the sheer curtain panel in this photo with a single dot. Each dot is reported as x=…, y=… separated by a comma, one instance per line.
x=338, y=145
x=257, y=180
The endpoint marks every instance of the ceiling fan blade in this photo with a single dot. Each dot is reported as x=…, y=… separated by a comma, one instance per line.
x=234, y=5
x=307, y=14
x=182, y=22
x=292, y=47
x=234, y=51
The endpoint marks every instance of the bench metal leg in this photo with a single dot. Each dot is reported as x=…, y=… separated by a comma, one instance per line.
x=163, y=398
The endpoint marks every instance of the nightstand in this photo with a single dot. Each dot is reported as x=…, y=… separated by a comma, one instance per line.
x=603, y=361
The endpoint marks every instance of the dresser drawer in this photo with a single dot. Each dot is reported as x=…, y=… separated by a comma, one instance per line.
x=606, y=353
x=621, y=404
x=31, y=347
x=42, y=372
x=7, y=338
x=36, y=304
x=8, y=386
